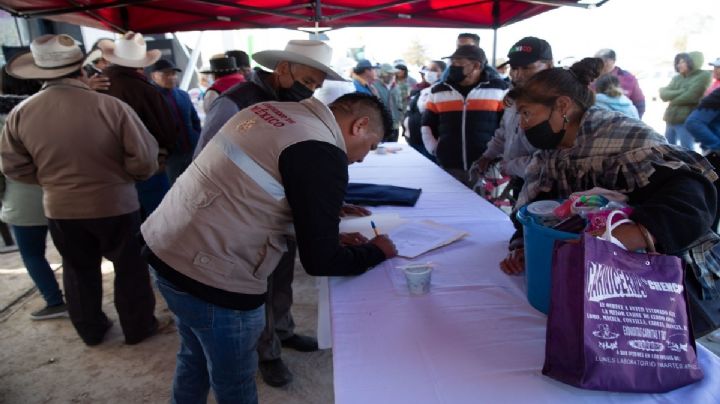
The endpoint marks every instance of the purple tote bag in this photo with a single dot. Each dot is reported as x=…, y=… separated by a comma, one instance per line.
x=618, y=320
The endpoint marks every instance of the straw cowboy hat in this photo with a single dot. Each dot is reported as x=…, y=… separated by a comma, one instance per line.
x=130, y=51
x=315, y=54
x=50, y=57
x=92, y=57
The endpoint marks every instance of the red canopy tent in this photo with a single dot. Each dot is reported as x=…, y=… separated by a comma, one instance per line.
x=159, y=16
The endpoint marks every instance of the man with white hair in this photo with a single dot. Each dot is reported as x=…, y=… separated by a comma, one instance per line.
x=86, y=150
x=298, y=71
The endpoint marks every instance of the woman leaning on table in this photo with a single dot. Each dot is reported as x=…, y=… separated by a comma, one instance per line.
x=583, y=147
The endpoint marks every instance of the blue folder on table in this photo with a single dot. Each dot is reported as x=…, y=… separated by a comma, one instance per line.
x=377, y=195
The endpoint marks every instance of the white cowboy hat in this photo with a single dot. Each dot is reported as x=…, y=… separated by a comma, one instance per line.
x=315, y=54
x=50, y=57
x=130, y=51
x=92, y=57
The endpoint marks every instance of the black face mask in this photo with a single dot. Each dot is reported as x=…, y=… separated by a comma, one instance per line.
x=456, y=74
x=296, y=92
x=542, y=136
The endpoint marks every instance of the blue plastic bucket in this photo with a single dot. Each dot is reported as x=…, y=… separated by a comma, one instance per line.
x=539, y=244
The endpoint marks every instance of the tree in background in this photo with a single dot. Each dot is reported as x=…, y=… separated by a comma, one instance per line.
x=356, y=54
x=414, y=55
x=689, y=26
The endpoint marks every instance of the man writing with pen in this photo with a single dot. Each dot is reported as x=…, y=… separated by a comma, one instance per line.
x=355, y=238
x=275, y=170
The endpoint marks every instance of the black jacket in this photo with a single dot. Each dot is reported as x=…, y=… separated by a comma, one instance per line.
x=677, y=207
x=132, y=87
x=464, y=125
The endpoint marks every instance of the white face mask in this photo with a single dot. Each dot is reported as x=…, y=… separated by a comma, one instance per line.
x=432, y=77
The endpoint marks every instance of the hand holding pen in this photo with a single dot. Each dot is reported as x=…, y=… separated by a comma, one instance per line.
x=375, y=229
x=383, y=242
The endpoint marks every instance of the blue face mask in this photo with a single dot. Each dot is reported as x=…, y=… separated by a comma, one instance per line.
x=432, y=77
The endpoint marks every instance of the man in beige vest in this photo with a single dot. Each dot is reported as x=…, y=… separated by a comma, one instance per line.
x=275, y=170
x=297, y=71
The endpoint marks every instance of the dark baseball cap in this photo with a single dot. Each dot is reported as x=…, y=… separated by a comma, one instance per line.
x=471, y=52
x=363, y=64
x=529, y=50
x=163, y=64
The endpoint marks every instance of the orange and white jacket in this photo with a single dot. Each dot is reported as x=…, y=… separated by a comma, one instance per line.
x=461, y=125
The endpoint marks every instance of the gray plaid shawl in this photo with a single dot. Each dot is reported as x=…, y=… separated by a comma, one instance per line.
x=611, y=151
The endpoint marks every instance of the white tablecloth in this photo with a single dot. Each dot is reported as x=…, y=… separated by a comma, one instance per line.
x=473, y=338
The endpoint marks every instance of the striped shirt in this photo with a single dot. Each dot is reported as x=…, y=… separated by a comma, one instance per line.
x=464, y=125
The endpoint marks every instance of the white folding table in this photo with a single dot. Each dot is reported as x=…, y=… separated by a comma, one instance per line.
x=474, y=338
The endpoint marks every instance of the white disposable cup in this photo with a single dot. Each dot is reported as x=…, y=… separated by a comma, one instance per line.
x=418, y=279
x=381, y=150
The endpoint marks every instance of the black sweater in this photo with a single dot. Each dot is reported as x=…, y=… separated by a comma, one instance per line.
x=315, y=178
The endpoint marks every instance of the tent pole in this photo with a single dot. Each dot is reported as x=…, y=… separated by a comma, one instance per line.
x=494, y=47
x=318, y=13
x=496, y=24
x=192, y=64
x=19, y=33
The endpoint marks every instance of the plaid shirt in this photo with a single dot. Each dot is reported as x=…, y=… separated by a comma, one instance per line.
x=704, y=260
x=611, y=151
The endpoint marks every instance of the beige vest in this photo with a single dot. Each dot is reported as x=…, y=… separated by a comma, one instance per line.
x=224, y=221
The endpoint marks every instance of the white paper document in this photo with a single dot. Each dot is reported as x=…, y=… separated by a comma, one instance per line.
x=418, y=237
x=412, y=238
x=361, y=224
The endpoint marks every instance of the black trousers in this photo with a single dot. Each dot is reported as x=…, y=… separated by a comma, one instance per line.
x=6, y=236
x=82, y=243
x=279, y=324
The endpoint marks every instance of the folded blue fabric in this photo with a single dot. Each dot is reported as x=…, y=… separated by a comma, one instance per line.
x=377, y=195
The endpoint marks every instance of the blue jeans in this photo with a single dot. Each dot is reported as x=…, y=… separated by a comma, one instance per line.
x=176, y=164
x=217, y=349
x=675, y=133
x=31, y=241
x=151, y=192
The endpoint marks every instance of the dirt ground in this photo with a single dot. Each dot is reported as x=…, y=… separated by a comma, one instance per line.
x=46, y=362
